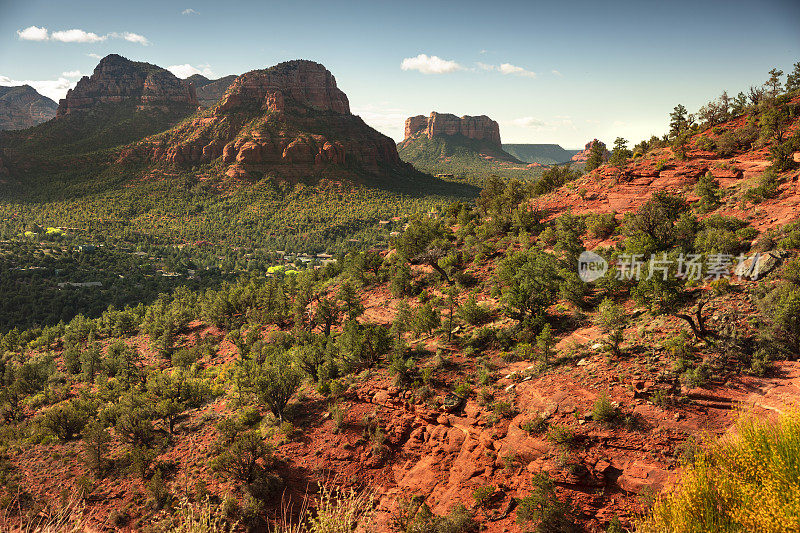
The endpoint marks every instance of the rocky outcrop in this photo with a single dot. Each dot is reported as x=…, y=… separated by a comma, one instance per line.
x=480, y=128
x=583, y=155
x=290, y=119
x=209, y=92
x=119, y=80
x=22, y=107
x=299, y=84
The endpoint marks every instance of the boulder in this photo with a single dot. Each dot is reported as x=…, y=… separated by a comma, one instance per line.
x=758, y=265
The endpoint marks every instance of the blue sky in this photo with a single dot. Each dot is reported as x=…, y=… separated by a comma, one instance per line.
x=561, y=72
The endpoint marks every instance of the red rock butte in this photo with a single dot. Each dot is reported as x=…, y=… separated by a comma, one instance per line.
x=481, y=128
x=119, y=80
x=305, y=126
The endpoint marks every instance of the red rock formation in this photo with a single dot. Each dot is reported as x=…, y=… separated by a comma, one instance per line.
x=303, y=83
x=583, y=155
x=22, y=107
x=305, y=127
x=117, y=79
x=481, y=128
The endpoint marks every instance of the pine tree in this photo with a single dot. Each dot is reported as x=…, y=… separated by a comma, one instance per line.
x=773, y=84
x=678, y=121
x=620, y=154
x=597, y=155
x=793, y=79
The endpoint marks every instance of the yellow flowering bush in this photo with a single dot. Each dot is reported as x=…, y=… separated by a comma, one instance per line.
x=747, y=483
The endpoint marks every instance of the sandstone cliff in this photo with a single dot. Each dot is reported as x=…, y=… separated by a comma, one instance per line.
x=288, y=119
x=119, y=80
x=22, y=107
x=480, y=128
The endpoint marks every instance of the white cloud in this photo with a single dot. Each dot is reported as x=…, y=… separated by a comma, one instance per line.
x=189, y=11
x=508, y=68
x=485, y=66
x=96, y=56
x=33, y=33
x=186, y=70
x=557, y=73
x=131, y=37
x=560, y=124
x=77, y=36
x=72, y=74
x=430, y=64
x=528, y=122
x=53, y=89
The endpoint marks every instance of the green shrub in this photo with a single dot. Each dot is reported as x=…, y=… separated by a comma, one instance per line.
x=601, y=225
x=767, y=188
x=561, y=435
x=482, y=495
x=542, y=511
x=707, y=188
x=603, y=411
x=473, y=313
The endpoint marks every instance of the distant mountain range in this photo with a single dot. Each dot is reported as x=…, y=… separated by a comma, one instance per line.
x=209, y=92
x=544, y=154
x=22, y=107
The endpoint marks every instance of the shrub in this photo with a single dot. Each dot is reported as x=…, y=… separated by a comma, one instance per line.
x=503, y=409
x=542, y=511
x=482, y=495
x=708, y=190
x=240, y=457
x=472, y=312
x=612, y=318
x=767, y=188
x=749, y=483
x=535, y=425
x=705, y=144
x=277, y=383
x=67, y=420
x=603, y=411
x=561, y=435
x=157, y=491
x=601, y=225
x=96, y=448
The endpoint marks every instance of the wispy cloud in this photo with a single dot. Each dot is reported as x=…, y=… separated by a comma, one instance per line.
x=430, y=64
x=528, y=122
x=72, y=74
x=96, y=56
x=35, y=33
x=189, y=11
x=514, y=70
x=53, y=89
x=560, y=123
x=131, y=37
x=557, y=73
x=186, y=70
x=507, y=69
